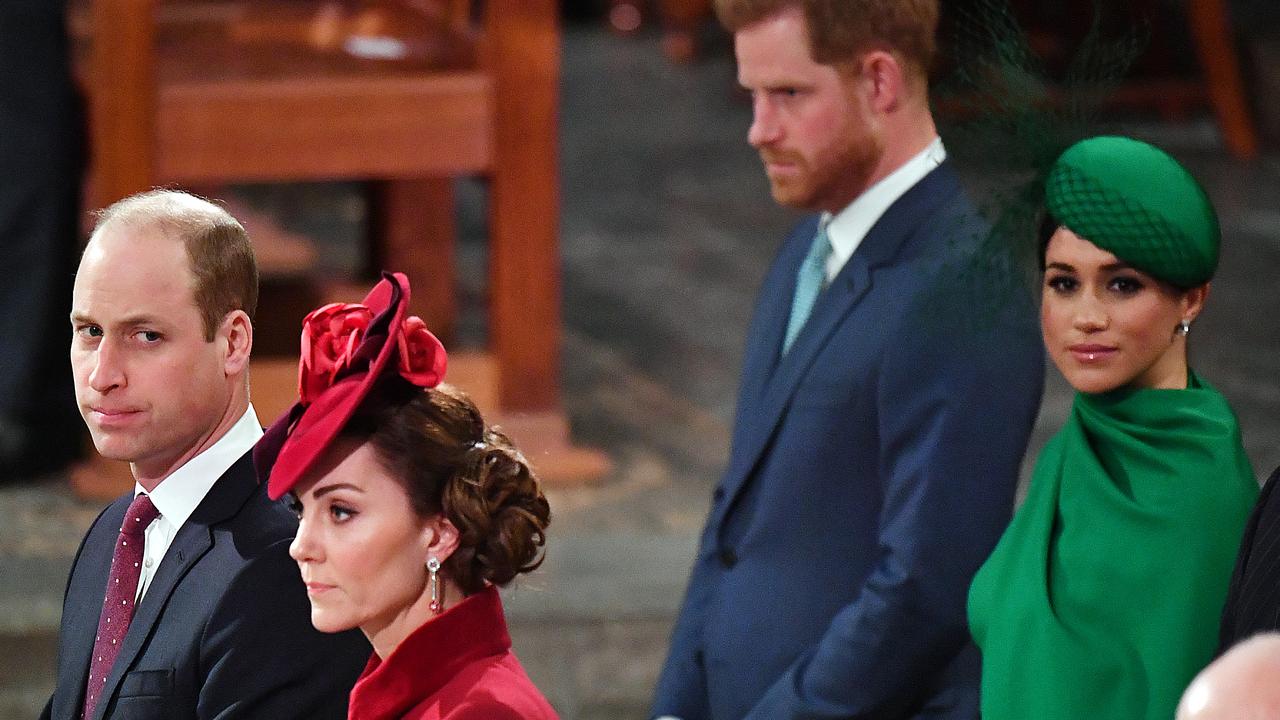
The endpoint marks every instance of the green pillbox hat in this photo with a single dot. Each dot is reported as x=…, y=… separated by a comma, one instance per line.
x=1134, y=201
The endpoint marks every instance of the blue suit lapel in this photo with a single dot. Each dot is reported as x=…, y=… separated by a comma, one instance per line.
x=775, y=386
x=770, y=324
x=192, y=541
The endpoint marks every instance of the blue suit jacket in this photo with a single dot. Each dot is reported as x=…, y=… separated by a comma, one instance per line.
x=872, y=471
x=224, y=630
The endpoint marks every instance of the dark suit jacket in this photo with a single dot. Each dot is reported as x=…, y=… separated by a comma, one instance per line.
x=224, y=630
x=872, y=470
x=1253, y=598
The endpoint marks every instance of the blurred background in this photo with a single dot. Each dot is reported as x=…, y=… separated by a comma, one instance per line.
x=569, y=187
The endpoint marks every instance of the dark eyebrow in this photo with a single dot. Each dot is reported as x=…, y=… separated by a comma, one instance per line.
x=321, y=492
x=129, y=321
x=1109, y=267
x=132, y=320
x=1112, y=267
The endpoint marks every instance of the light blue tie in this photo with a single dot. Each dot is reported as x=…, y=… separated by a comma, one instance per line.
x=810, y=279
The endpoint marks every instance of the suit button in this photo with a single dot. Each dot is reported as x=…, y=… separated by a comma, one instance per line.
x=718, y=495
x=728, y=557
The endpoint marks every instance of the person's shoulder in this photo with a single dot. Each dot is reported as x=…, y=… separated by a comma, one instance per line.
x=1269, y=501
x=259, y=522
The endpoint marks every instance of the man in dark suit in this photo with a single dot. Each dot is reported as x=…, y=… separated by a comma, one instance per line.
x=183, y=600
x=882, y=416
x=1253, y=597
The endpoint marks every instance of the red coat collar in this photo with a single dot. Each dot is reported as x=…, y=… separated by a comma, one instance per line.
x=432, y=655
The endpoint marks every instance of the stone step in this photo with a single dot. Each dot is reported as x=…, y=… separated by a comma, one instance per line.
x=26, y=673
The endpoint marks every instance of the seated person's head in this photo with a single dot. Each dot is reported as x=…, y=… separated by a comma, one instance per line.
x=162, y=329
x=1240, y=685
x=414, y=475
x=1128, y=246
x=407, y=501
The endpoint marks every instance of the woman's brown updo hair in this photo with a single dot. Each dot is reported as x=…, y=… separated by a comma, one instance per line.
x=435, y=443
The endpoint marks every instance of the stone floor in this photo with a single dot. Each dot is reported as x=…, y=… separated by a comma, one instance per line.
x=667, y=231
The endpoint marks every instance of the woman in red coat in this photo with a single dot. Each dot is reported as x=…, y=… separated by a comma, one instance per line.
x=411, y=513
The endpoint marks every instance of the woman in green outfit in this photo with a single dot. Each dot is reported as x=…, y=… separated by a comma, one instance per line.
x=1102, y=598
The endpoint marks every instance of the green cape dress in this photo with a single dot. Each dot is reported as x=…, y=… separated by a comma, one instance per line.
x=1102, y=598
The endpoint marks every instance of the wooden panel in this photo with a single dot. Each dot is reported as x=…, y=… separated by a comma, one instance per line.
x=324, y=128
x=415, y=221
x=123, y=100
x=1211, y=30
x=523, y=47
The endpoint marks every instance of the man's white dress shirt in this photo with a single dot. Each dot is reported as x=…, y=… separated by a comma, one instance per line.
x=178, y=495
x=847, y=228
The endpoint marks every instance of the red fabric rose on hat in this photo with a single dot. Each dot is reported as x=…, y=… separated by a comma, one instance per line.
x=422, y=357
x=330, y=336
x=346, y=350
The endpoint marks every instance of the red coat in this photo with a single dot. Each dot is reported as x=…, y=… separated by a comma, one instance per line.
x=458, y=666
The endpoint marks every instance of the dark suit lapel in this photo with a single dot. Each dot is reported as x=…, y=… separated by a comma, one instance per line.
x=192, y=541
x=770, y=324
x=84, y=604
x=882, y=243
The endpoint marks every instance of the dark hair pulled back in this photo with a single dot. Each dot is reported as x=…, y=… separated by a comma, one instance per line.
x=436, y=444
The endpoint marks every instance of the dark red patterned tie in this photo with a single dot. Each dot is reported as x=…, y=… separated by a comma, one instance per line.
x=122, y=588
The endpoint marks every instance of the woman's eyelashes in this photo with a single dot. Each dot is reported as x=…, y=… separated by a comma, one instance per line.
x=341, y=512
x=1126, y=284
x=338, y=510
x=1061, y=283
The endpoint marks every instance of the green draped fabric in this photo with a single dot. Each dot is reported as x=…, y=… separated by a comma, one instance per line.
x=1102, y=598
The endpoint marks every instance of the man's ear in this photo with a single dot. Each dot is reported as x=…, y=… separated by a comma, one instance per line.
x=883, y=80
x=236, y=332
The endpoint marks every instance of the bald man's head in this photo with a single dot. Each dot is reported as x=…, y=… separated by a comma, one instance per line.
x=1243, y=684
x=219, y=254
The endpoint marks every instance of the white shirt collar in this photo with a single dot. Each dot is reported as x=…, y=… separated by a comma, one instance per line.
x=847, y=228
x=178, y=495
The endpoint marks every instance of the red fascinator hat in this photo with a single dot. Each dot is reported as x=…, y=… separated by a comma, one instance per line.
x=347, y=349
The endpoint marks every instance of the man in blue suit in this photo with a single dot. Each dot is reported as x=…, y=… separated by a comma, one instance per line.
x=183, y=601
x=890, y=382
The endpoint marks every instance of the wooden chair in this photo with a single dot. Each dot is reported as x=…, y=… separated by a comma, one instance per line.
x=409, y=93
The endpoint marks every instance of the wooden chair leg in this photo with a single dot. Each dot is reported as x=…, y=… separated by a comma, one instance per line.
x=524, y=266
x=414, y=231
x=680, y=21
x=122, y=101
x=1210, y=31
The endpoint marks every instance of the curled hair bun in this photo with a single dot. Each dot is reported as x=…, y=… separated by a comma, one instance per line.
x=496, y=503
x=435, y=443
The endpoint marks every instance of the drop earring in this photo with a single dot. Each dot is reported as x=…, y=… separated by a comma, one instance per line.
x=1183, y=328
x=433, y=571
